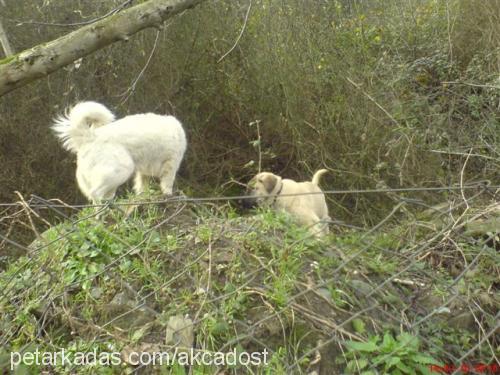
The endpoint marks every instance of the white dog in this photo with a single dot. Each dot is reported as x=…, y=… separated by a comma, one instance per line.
x=109, y=152
x=293, y=197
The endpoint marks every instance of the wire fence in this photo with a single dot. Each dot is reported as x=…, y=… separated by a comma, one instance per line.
x=101, y=279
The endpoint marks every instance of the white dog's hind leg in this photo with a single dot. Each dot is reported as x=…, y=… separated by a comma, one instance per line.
x=83, y=184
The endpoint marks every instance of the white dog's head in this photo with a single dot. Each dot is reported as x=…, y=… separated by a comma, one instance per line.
x=263, y=187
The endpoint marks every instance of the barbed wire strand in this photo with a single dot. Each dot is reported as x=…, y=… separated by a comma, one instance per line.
x=248, y=196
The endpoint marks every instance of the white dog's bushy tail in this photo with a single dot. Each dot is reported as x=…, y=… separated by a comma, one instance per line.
x=75, y=128
x=317, y=176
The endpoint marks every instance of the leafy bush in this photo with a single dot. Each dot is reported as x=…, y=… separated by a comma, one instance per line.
x=392, y=356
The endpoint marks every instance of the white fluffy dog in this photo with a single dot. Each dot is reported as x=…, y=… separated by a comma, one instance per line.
x=109, y=152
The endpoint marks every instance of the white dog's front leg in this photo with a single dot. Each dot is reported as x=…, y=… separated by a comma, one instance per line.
x=141, y=183
x=168, y=176
x=167, y=185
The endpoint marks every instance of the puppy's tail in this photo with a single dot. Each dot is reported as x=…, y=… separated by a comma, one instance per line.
x=317, y=176
x=76, y=127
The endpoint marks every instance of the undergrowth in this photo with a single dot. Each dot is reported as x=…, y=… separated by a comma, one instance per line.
x=247, y=283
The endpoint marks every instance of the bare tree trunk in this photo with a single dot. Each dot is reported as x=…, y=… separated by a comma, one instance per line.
x=41, y=60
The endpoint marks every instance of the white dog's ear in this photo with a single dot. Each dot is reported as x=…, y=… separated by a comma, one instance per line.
x=269, y=181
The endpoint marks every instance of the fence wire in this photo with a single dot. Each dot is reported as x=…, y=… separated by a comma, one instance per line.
x=305, y=301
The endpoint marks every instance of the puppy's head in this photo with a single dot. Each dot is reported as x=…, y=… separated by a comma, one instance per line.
x=262, y=188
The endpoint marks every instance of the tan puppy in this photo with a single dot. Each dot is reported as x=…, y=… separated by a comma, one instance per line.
x=309, y=209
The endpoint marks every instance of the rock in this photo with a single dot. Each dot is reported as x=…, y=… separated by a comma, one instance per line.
x=126, y=313
x=437, y=210
x=361, y=288
x=324, y=292
x=463, y=321
x=96, y=292
x=430, y=302
x=122, y=299
x=179, y=332
x=483, y=227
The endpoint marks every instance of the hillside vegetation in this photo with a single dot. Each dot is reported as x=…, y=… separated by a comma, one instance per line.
x=393, y=300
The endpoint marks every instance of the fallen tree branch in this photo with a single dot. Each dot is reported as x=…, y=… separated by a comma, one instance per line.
x=43, y=59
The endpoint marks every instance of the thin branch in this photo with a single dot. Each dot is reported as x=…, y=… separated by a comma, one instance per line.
x=358, y=86
x=239, y=36
x=131, y=89
x=4, y=41
x=464, y=154
x=470, y=84
x=83, y=23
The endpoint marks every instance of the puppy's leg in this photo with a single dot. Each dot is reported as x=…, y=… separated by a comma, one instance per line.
x=315, y=225
x=325, y=229
x=321, y=228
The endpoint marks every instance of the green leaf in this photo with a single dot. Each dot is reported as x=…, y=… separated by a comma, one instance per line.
x=92, y=268
x=392, y=361
x=425, y=370
x=362, y=363
x=369, y=346
x=404, y=368
x=220, y=328
x=137, y=335
x=255, y=143
x=424, y=359
x=407, y=340
x=351, y=367
x=388, y=343
x=358, y=325
x=382, y=358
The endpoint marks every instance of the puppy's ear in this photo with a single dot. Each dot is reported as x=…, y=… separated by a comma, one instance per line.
x=269, y=181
